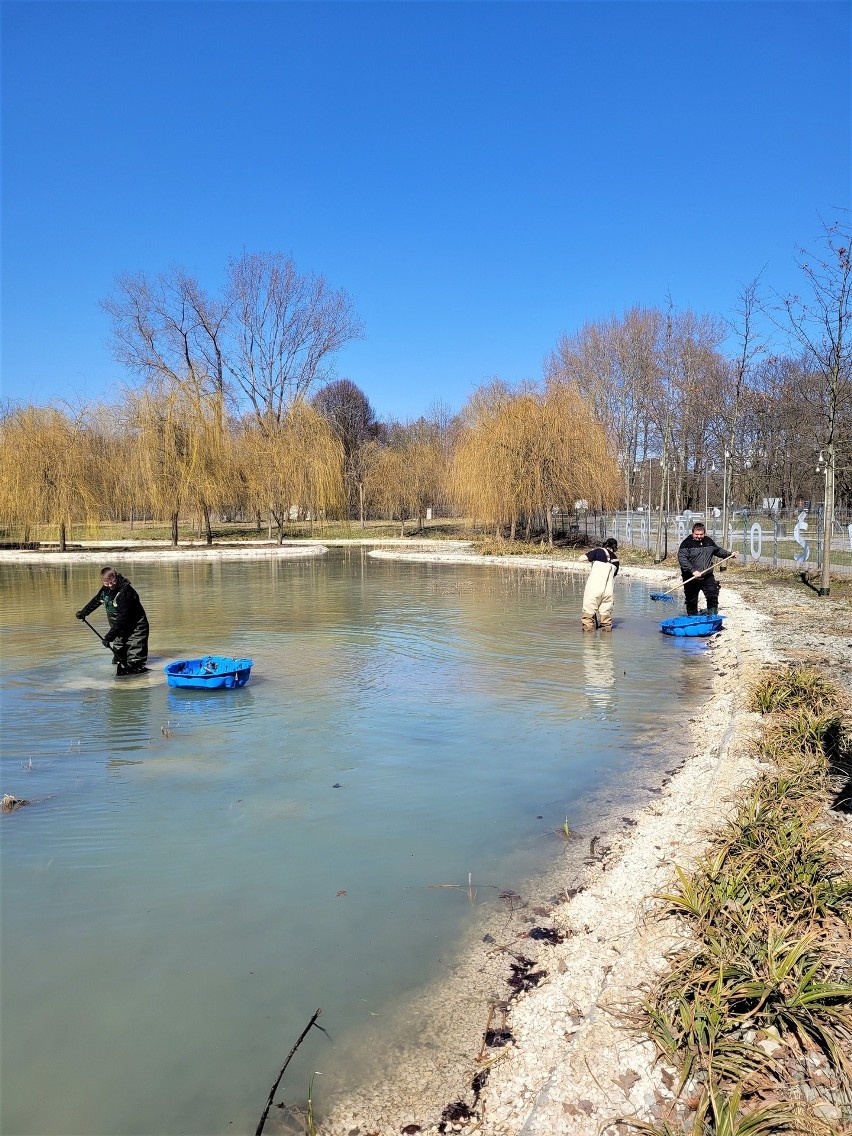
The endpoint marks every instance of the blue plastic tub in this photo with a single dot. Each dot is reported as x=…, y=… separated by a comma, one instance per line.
x=213, y=672
x=692, y=625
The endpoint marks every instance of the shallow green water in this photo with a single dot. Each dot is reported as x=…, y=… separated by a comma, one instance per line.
x=171, y=907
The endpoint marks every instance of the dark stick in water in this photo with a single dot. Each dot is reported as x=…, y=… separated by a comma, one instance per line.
x=272, y=1091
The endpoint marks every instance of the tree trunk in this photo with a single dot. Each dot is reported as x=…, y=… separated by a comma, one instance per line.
x=828, y=523
x=208, y=532
x=62, y=537
x=174, y=530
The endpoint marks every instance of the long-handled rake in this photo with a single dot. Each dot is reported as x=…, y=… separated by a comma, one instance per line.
x=666, y=597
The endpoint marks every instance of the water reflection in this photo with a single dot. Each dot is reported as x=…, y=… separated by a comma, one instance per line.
x=127, y=716
x=599, y=670
x=233, y=706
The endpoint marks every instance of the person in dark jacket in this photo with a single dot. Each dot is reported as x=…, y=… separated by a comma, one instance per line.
x=598, y=598
x=695, y=555
x=128, y=624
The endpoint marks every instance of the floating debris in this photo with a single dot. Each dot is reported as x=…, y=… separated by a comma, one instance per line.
x=9, y=803
x=496, y=1039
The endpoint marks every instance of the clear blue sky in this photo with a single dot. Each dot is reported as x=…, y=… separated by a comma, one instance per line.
x=481, y=177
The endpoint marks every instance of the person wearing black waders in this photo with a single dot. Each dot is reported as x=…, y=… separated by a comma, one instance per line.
x=695, y=557
x=598, y=596
x=128, y=625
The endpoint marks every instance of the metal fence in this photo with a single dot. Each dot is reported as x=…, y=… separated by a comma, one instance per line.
x=791, y=538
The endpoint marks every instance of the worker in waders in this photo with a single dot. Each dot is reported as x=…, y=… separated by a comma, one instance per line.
x=598, y=596
x=128, y=625
x=695, y=556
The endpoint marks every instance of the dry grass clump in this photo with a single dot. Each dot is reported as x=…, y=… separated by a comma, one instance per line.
x=795, y=688
x=758, y=1015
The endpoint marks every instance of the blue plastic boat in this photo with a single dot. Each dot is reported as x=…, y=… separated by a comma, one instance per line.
x=692, y=625
x=213, y=672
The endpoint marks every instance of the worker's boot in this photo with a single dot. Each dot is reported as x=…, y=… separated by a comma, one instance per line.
x=712, y=609
x=589, y=623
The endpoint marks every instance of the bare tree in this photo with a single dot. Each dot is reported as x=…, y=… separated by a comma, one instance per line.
x=167, y=329
x=820, y=326
x=265, y=342
x=283, y=328
x=614, y=364
x=739, y=378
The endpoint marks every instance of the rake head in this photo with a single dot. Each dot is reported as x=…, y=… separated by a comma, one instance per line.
x=659, y=597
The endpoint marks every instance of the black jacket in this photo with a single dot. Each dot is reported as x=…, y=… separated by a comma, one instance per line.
x=697, y=555
x=123, y=607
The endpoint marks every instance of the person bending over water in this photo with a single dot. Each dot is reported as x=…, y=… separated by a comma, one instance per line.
x=598, y=598
x=128, y=623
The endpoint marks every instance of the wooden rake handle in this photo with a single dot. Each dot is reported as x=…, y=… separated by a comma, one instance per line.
x=680, y=584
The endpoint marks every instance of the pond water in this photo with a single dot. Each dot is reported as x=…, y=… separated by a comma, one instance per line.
x=198, y=872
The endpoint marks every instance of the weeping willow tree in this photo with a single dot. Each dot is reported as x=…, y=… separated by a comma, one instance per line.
x=292, y=468
x=47, y=471
x=520, y=456
x=213, y=480
x=178, y=452
x=404, y=476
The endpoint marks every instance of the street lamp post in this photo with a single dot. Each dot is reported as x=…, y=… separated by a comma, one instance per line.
x=725, y=496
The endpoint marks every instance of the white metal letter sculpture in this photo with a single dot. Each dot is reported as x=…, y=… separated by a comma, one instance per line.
x=756, y=541
x=802, y=526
